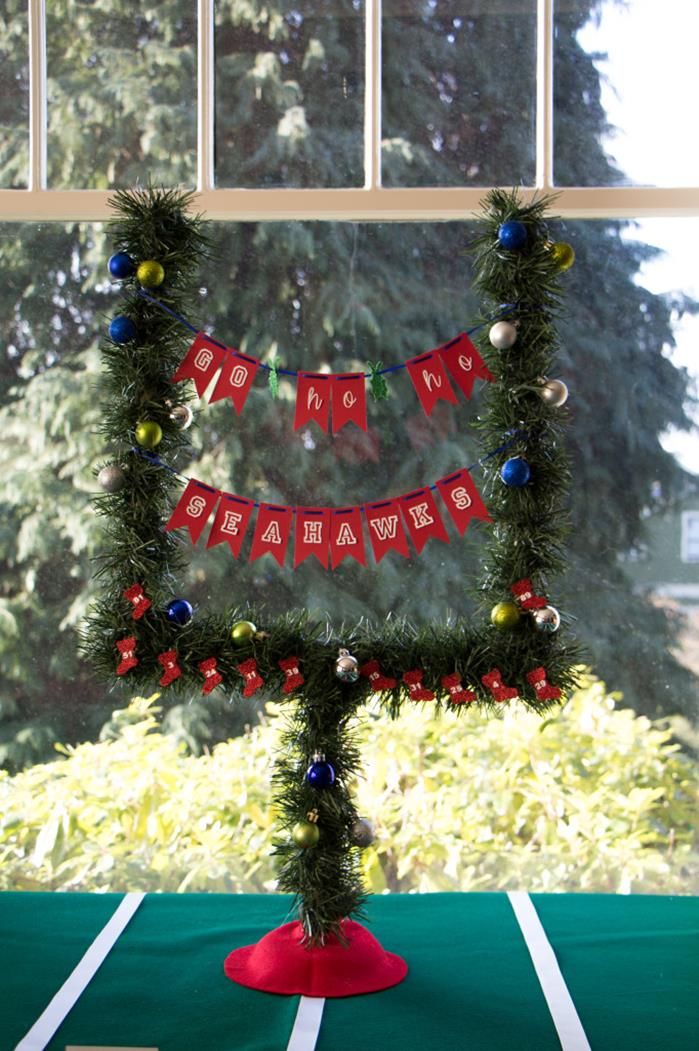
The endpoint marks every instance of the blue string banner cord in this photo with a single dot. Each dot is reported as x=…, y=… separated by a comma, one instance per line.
x=323, y=396
x=331, y=534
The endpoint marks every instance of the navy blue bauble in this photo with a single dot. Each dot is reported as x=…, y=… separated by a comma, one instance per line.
x=121, y=265
x=122, y=329
x=179, y=612
x=320, y=773
x=515, y=472
x=512, y=234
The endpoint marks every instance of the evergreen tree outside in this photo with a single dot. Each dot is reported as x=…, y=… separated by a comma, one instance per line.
x=314, y=295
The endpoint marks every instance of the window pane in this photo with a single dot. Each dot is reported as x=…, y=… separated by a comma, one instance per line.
x=121, y=93
x=14, y=95
x=459, y=93
x=290, y=94
x=626, y=78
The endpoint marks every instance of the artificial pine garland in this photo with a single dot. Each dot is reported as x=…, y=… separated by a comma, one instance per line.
x=138, y=632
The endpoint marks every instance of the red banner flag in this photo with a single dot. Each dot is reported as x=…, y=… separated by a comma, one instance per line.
x=430, y=380
x=349, y=400
x=237, y=373
x=231, y=522
x=422, y=518
x=272, y=531
x=193, y=508
x=346, y=535
x=462, y=499
x=312, y=399
x=202, y=360
x=312, y=535
x=465, y=363
x=386, y=530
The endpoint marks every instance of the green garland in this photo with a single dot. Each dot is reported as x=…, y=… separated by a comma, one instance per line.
x=526, y=542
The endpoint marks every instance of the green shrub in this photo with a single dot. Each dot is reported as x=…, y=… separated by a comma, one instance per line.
x=595, y=799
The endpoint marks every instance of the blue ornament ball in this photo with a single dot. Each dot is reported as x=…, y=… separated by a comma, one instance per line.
x=122, y=329
x=121, y=265
x=515, y=472
x=512, y=235
x=179, y=612
x=320, y=774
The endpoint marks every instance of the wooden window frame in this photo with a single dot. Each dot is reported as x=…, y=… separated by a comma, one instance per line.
x=371, y=202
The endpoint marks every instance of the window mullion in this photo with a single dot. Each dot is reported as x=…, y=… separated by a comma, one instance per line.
x=372, y=95
x=205, y=95
x=544, y=95
x=37, y=95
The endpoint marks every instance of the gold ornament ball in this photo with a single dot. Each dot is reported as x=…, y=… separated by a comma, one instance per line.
x=242, y=632
x=563, y=254
x=547, y=619
x=505, y=616
x=305, y=834
x=150, y=273
x=554, y=393
x=148, y=434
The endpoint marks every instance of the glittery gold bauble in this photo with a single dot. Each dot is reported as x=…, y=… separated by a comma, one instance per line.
x=563, y=254
x=183, y=416
x=554, y=393
x=547, y=619
x=362, y=833
x=150, y=273
x=148, y=434
x=242, y=631
x=305, y=834
x=505, y=616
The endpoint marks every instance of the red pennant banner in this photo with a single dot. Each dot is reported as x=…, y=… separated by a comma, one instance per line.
x=349, y=400
x=202, y=360
x=231, y=522
x=422, y=518
x=312, y=399
x=386, y=530
x=312, y=535
x=272, y=531
x=346, y=535
x=193, y=508
x=430, y=380
x=462, y=499
x=464, y=363
x=237, y=373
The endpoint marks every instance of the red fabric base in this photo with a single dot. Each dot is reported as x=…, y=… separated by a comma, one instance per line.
x=280, y=963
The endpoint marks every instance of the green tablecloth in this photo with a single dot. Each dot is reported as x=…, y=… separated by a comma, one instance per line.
x=630, y=963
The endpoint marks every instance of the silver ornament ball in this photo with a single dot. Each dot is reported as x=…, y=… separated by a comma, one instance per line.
x=347, y=667
x=503, y=335
x=362, y=833
x=547, y=619
x=111, y=478
x=183, y=416
x=554, y=393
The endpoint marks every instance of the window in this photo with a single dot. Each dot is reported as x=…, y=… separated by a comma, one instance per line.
x=340, y=149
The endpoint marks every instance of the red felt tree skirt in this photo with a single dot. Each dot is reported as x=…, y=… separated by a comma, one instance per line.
x=281, y=963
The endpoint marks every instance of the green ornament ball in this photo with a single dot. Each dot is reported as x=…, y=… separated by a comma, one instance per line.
x=148, y=434
x=150, y=273
x=242, y=632
x=305, y=834
x=563, y=254
x=505, y=616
